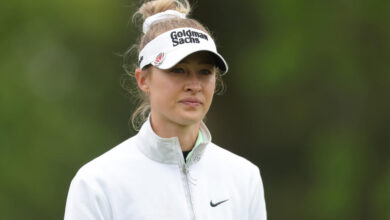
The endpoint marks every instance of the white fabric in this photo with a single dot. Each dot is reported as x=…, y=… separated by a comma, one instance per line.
x=177, y=44
x=161, y=16
x=145, y=178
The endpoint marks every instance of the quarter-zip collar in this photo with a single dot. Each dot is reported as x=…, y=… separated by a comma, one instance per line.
x=168, y=150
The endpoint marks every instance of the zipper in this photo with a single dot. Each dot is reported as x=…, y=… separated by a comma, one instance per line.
x=184, y=172
x=187, y=188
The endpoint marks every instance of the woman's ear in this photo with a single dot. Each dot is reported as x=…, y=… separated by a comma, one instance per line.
x=142, y=79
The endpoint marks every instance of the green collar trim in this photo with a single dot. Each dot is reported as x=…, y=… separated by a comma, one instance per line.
x=198, y=141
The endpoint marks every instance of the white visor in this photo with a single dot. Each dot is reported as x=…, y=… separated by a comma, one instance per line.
x=169, y=48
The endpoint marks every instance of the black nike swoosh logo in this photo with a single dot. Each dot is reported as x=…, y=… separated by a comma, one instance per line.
x=218, y=203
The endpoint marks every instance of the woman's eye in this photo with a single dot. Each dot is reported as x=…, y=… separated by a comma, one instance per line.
x=205, y=72
x=177, y=70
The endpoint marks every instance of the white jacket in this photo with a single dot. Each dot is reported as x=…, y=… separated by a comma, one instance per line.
x=146, y=178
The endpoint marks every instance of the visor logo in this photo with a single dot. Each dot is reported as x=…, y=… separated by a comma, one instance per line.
x=187, y=37
x=159, y=59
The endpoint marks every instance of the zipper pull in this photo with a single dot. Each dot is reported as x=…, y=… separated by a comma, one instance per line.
x=185, y=169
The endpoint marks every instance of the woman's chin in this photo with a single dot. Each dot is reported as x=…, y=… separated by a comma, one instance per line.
x=190, y=118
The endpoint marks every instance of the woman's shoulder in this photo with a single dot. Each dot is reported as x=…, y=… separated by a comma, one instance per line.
x=111, y=161
x=223, y=157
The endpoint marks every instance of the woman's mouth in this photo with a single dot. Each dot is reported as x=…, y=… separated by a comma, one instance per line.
x=192, y=102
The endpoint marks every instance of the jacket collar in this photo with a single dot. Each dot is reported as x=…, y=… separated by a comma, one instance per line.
x=168, y=150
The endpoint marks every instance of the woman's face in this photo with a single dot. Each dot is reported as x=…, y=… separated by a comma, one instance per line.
x=183, y=94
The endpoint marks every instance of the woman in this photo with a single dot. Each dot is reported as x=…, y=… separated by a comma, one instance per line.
x=170, y=169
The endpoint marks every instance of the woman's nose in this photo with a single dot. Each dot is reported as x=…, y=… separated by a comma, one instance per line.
x=193, y=83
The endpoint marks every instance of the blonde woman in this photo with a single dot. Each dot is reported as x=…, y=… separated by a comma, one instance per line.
x=170, y=169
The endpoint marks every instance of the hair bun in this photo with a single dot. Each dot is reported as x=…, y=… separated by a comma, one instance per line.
x=156, y=6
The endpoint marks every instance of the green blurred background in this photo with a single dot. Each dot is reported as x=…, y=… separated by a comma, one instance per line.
x=307, y=99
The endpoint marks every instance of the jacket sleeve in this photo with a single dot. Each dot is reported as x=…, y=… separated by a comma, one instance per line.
x=257, y=210
x=86, y=201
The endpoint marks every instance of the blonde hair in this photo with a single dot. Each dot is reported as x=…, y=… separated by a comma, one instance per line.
x=146, y=10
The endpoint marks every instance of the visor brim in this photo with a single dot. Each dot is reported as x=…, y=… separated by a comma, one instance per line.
x=174, y=57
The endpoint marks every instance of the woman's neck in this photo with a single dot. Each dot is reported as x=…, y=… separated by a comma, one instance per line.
x=187, y=134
